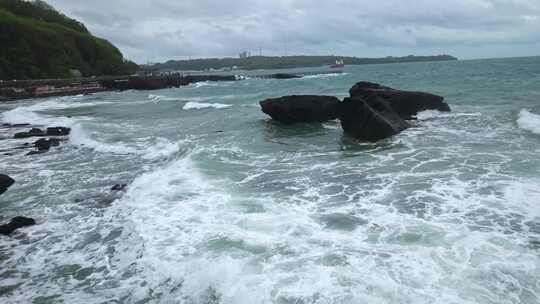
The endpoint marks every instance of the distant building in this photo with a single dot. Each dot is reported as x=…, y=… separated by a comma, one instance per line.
x=244, y=54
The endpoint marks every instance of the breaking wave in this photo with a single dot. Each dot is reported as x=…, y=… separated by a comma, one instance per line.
x=155, y=148
x=529, y=121
x=202, y=105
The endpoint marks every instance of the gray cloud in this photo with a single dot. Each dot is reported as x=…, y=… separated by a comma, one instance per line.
x=157, y=30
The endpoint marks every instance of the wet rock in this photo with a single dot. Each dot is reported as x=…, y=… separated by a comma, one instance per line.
x=119, y=187
x=405, y=103
x=301, y=108
x=43, y=144
x=284, y=76
x=58, y=131
x=16, y=223
x=5, y=182
x=370, y=120
x=33, y=132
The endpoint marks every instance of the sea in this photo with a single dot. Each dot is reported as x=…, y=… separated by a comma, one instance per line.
x=225, y=206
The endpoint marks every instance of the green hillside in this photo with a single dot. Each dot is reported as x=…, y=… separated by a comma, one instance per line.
x=39, y=42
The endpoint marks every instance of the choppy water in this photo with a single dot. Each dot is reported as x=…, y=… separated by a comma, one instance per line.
x=226, y=206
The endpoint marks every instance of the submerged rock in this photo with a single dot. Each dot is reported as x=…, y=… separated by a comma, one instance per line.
x=370, y=120
x=119, y=187
x=405, y=103
x=45, y=144
x=301, y=108
x=5, y=182
x=16, y=223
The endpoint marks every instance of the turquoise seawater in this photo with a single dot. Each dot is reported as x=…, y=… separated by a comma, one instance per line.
x=226, y=206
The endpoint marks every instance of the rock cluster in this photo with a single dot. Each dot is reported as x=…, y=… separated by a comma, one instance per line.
x=371, y=113
x=16, y=223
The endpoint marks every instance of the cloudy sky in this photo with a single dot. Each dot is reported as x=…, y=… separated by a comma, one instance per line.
x=158, y=30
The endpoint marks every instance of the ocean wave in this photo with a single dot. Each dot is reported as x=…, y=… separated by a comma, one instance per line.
x=430, y=114
x=156, y=148
x=32, y=113
x=158, y=98
x=202, y=105
x=529, y=121
x=318, y=76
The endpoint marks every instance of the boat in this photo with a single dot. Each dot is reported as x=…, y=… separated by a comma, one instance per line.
x=338, y=65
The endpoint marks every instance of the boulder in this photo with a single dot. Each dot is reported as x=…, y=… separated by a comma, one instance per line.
x=33, y=132
x=42, y=144
x=16, y=223
x=405, y=103
x=301, y=108
x=370, y=120
x=45, y=144
x=5, y=182
x=58, y=131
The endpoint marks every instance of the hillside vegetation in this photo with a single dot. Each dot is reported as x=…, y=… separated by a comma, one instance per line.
x=39, y=42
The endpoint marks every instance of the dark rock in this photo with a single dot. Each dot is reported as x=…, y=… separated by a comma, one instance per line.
x=370, y=120
x=119, y=187
x=36, y=152
x=284, y=76
x=5, y=182
x=58, y=131
x=405, y=103
x=16, y=223
x=301, y=108
x=43, y=144
x=33, y=132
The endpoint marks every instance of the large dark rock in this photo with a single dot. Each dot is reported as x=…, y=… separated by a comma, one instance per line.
x=33, y=132
x=58, y=131
x=284, y=76
x=405, y=103
x=301, y=108
x=370, y=120
x=16, y=223
x=5, y=182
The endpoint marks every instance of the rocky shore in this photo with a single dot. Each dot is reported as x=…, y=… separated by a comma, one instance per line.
x=14, y=90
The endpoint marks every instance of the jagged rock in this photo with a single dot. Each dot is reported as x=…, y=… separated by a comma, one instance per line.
x=33, y=132
x=45, y=144
x=58, y=131
x=16, y=223
x=405, y=103
x=119, y=187
x=42, y=144
x=370, y=120
x=301, y=108
x=5, y=182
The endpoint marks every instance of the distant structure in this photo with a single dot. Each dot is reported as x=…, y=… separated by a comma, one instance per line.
x=244, y=54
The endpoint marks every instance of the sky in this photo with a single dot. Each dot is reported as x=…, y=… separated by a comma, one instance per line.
x=160, y=30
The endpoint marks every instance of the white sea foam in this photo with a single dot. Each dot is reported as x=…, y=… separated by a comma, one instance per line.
x=158, y=98
x=80, y=137
x=156, y=148
x=202, y=105
x=322, y=76
x=430, y=114
x=529, y=121
x=33, y=113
